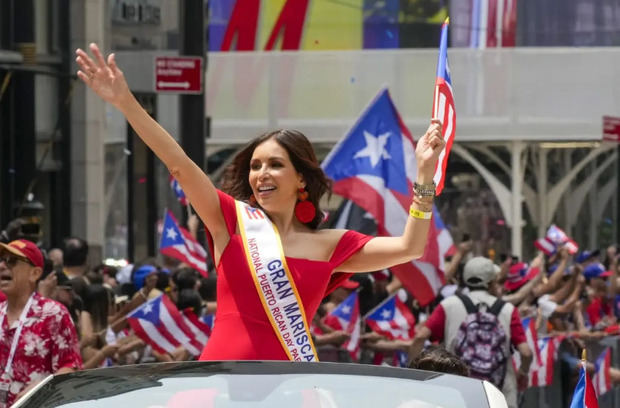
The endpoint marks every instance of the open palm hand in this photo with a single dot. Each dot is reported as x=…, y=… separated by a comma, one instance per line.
x=103, y=77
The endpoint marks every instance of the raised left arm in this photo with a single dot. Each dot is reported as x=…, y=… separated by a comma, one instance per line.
x=384, y=252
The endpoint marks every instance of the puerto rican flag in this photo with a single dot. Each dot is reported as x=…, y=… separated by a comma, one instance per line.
x=601, y=378
x=392, y=318
x=584, y=395
x=178, y=243
x=546, y=245
x=346, y=317
x=199, y=328
x=443, y=107
x=374, y=166
x=161, y=325
x=178, y=191
x=541, y=375
x=559, y=237
x=209, y=320
x=529, y=327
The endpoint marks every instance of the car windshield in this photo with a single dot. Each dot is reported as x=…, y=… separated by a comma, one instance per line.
x=222, y=390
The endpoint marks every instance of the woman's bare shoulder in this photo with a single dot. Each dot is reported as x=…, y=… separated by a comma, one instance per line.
x=331, y=235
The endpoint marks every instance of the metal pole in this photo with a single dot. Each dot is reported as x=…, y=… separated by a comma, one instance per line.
x=192, y=107
x=542, y=191
x=517, y=186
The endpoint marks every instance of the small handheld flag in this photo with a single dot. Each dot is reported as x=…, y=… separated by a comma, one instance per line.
x=159, y=323
x=392, y=318
x=346, y=317
x=443, y=107
x=178, y=191
x=178, y=243
x=584, y=396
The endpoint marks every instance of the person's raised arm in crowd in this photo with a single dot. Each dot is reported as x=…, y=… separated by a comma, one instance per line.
x=555, y=279
x=574, y=286
x=461, y=250
x=524, y=291
x=567, y=286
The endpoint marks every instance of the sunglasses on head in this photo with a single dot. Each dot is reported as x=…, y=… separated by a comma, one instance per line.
x=11, y=260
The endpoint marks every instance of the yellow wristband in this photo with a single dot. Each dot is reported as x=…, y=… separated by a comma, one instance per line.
x=422, y=215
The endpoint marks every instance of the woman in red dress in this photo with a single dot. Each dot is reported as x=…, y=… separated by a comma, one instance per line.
x=274, y=173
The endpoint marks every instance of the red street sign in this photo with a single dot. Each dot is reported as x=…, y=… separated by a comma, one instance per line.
x=611, y=129
x=178, y=74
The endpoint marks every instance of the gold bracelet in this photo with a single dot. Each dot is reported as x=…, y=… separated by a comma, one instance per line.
x=422, y=215
x=424, y=206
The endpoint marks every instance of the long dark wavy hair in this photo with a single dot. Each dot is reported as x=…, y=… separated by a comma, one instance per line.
x=235, y=180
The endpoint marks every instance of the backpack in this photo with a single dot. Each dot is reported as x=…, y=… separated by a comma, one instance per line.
x=481, y=341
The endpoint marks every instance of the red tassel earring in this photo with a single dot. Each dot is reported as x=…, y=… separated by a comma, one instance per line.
x=252, y=200
x=304, y=209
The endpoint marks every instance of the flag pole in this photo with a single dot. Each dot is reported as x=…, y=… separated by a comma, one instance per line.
x=436, y=96
x=374, y=309
x=583, y=356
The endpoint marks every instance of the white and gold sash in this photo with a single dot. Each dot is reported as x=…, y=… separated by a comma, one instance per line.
x=274, y=283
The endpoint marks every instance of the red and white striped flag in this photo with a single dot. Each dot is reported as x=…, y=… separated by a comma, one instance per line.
x=545, y=245
x=178, y=243
x=602, y=379
x=541, y=374
x=529, y=326
x=346, y=317
x=159, y=323
x=200, y=329
x=392, y=318
x=557, y=235
x=443, y=107
x=178, y=191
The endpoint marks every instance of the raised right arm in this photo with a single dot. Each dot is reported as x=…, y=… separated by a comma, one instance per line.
x=107, y=80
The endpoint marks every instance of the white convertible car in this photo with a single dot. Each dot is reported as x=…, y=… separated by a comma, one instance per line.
x=266, y=384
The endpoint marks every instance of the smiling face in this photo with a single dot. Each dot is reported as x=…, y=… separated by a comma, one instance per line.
x=273, y=178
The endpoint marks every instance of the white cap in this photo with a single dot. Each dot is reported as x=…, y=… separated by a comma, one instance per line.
x=479, y=272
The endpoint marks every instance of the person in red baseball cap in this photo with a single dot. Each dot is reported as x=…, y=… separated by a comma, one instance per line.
x=49, y=329
x=22, y=267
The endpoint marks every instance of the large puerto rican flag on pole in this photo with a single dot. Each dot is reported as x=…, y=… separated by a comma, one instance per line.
x=374, y=166
x=443, y=107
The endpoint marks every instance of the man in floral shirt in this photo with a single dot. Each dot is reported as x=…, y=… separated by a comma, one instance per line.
x=37, y=336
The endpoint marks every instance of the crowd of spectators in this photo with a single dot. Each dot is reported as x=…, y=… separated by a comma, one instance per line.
x=572, y=297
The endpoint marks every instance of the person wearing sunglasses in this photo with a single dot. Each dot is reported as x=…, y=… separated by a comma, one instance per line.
x=37, y=336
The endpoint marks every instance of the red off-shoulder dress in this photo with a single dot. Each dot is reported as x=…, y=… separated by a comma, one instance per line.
x=242, y=330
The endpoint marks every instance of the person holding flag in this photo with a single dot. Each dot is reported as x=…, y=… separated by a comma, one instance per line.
x=274, y=266
x=443, y=106
x=584, y=395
